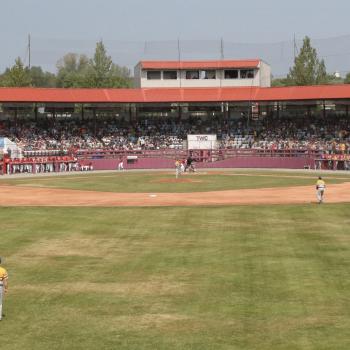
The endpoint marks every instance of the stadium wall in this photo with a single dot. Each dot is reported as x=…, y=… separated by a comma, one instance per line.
x=237, y=162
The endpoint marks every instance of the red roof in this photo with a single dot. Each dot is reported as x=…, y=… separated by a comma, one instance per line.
x=200, y=64
x=149, y=95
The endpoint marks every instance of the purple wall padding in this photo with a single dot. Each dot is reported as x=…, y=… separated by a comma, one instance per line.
x=261, y=162
x=237, y=162
x=141, y=163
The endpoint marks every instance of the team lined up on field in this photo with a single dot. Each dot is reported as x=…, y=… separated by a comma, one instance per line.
x=38, y=165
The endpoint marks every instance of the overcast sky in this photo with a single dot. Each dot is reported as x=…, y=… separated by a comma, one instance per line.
x=253, y=21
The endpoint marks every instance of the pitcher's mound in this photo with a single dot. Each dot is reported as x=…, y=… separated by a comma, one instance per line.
x=180, y=180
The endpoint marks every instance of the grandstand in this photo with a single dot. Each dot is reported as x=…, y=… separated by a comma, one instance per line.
x=148, y=127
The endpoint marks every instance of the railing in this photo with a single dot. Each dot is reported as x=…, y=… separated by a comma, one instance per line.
x=84, y=159
x=44, y=153
x=198, y=155
x=257, y=152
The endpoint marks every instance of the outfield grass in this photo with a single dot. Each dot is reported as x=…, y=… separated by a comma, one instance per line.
x=258, y=277
x=156, y=182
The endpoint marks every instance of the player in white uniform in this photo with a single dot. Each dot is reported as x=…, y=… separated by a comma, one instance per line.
x=182, y=167
x=121, y=164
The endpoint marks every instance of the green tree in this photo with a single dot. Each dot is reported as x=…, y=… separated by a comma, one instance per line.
x=16, y=76
x=333, y=80
x=39, y=78
x=72, y=71
x=120, y=77
x=77, y=71
x=103, y=72
x=279, y=82
x=308, y=69
x=347, y=79
x=100, y=67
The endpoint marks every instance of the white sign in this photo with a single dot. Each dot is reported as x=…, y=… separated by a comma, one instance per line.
x=201, y=141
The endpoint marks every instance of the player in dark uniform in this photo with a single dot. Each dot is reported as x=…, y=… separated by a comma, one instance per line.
x=190, y=164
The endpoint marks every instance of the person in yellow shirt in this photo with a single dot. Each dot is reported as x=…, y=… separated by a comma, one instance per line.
x=320, y=187
x=3, y=287
x=177, y=168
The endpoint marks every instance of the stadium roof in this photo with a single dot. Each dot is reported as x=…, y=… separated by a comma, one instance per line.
x=172, y=95
x=200, y=64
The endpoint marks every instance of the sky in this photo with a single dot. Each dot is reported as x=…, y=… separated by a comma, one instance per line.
x=58, y=27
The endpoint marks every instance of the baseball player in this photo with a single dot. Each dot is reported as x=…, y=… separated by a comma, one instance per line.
x=177, y=168
x=190, y=164
x=3, y=287
x=182, y=166
x=121, y=164
x=320, y=187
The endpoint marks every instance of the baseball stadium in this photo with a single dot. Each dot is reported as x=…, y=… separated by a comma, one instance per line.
x=179, y=214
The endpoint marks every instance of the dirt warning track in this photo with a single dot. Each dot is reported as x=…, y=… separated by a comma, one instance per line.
x=34, y=196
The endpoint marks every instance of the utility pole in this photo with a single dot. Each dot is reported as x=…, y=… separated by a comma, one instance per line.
x=222, y=56
x=179, y=59
x=29, y=53
x=295, y=47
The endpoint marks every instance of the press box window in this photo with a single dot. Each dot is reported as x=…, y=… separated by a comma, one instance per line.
x=247, y=74
x=170, y=75
x=153, y=75
x=207, y=74
x=192, y=74
x=231, y=74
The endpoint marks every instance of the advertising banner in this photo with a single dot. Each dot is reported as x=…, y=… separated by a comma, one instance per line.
x=204, y=142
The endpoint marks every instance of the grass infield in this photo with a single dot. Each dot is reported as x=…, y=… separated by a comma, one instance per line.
x=165, y=181
x=242, y=277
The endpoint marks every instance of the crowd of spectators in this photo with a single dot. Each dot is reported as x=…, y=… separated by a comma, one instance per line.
x=331, y=134
x=315, y=134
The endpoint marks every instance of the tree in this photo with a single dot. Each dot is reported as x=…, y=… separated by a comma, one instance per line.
x=334, y=80
x=100, y=67
x=72, y=71
x=307, y=69
x=16, y=76
x=76, y=71
x=347, y=79
x=103, y=72
x=120, y=77
x=2, y=77
x=39, y=78
x=279, y=82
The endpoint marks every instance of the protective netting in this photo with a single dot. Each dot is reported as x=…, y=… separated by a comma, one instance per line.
x=45, y=52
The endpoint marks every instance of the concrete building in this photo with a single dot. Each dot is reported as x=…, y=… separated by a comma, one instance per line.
x=196, y=74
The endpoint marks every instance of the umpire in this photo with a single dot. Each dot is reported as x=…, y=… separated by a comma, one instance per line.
x=3, y=286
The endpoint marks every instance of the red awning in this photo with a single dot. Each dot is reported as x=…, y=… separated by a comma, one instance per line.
x=200, y=64
x=154, y=95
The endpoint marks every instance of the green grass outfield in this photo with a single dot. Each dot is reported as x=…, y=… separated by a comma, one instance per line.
x=155, y=181
x=231, y=277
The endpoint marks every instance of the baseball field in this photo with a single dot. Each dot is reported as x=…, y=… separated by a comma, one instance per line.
x=140, y=260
